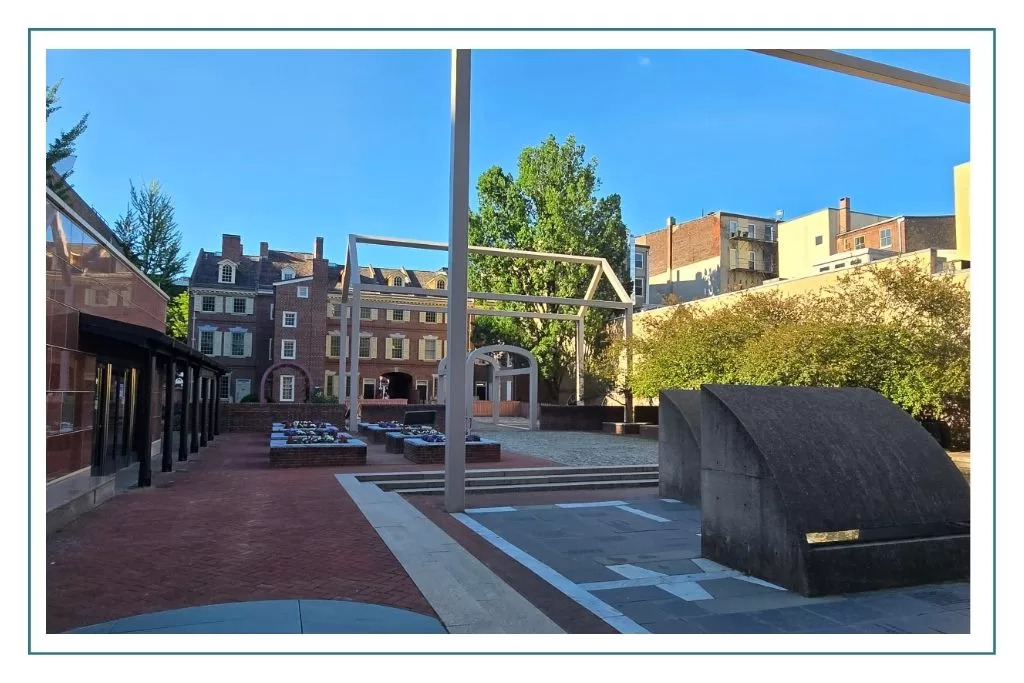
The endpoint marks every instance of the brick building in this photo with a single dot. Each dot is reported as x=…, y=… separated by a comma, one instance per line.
x=714, y=254
x=273, y=317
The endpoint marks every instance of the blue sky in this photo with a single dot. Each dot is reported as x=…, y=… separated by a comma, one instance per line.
x=283, y=146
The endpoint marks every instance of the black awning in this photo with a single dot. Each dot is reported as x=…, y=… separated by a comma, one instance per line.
x=145, y=338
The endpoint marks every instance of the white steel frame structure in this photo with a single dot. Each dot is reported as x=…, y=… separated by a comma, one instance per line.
x=458, y=238
x=499, y=373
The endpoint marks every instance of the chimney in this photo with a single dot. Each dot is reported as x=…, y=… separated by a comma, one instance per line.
x=264, y=250
x=318, y=249
x=669, y=224
x=231, y=247
x=844, y=215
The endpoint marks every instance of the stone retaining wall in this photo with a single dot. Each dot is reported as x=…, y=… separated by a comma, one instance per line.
x=340, y=455
x=433, y=453
x=578, y=418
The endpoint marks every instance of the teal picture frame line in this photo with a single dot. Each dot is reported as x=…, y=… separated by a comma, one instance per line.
x=980, y=29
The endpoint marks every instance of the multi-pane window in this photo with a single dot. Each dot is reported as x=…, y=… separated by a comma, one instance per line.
x=441, y=284
x=638, y=260
x=288, y=349
x=769, y=233
x=287, y=274
x=335, y=310
x=287, y=387
x=364, y=347
x=398, y=282
x=335, y=345
x=303, y=292
x=885, y=238
x=858, y=242
x=431, y=317
x=430, y=349
x=238, y=343
x=227, y=273
x=638, y=288
x=290, y=319
x=398, y=315
x=206, y=342
x=239, y=306
x=209, y=304
x=396, y=347
x=364, y=313
x=224, y=387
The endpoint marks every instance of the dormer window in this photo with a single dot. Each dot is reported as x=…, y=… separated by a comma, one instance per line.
x=227, y=274
x=441, y=284
x=398, y=281
x=287, y=274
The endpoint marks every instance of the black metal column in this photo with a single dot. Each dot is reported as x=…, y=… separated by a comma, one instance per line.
x=194, y=418
x=144, y=422
x=214, y=398
x=204, y=407
x=167, y=460
x=216, y=410
x=186, y=405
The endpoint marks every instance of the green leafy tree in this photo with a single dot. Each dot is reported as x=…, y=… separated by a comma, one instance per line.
x=550, y=205
x=63, y=146
x=150, y=235
x=177, y=317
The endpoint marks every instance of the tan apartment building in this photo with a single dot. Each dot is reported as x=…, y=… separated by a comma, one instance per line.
x=717, y=253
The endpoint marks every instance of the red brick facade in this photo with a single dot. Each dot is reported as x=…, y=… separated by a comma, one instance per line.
x=288, y=326
x=903, y=234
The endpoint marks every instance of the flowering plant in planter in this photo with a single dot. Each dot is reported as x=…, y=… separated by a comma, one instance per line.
x=316, y=438
x=390, y=425
x=307, y=424
x=438, y=437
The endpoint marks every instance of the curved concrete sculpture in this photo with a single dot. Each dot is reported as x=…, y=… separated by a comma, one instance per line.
x=828, y=491
x=679, y=445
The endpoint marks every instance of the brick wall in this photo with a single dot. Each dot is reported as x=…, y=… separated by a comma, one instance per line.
x=692, y=241
x=257, y=417
x=578, y=418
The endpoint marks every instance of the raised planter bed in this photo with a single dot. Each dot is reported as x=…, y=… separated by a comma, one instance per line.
x=649, y=432
x=352, y=452
x=429, y=453
x=621, y=427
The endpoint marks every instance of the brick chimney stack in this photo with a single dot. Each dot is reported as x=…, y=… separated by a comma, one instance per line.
x=318, y=249
x=844, y=215
x=669, y=224
x=231, y=247
x=264, y=250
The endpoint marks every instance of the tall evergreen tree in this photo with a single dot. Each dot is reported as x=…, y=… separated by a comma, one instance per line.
x=151, y=236
x=63, y=146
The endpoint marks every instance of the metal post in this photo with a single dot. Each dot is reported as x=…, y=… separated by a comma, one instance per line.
x=167, y=459
x=458, y=287
x=145, y=422
x=183, y=428
x=579, y=360
x=214, y=384
x=216, y=408
x=204, y=407
x=342, y=353
x=353, y=365
x=194, y=417
x=627, y=334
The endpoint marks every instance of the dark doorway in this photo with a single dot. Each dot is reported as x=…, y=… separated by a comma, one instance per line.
x=114, y=402
x=480, y=389
x=399, y=385
x=421, y=391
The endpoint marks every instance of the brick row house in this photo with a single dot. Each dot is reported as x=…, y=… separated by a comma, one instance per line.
x=273, y=320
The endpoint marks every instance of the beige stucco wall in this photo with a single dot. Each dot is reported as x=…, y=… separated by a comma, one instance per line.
x=693, y=281
x=797, y=251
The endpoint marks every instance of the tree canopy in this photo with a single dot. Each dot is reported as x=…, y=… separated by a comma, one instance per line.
x=63, y=146
x=177, y=317
x=551, y=204
x=150, y=235
x=891, y=327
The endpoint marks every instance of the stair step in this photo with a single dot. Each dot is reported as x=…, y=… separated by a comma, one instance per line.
x=508, y=471
x=513, y=488
x=477, y=482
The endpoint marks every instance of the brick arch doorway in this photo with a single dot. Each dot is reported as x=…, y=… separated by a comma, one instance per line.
x=400, y=385
x=277, y=366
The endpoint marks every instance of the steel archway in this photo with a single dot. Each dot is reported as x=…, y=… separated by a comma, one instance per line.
x=284, y=364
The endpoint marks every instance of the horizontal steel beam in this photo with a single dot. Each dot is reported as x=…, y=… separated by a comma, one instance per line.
x=486, y=251
x=494, y=296
x=875, y=71
x=522, y=314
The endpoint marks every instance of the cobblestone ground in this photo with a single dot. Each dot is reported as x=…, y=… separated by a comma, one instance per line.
x=572, y=448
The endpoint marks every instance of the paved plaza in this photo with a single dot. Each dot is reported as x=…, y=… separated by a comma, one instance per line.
x=576, y=449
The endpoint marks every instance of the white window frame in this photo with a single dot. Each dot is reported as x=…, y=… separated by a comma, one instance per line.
x=231, y=270
x=369, y=347
x=291, y=385
x=242, y=353
x=369, y=313
x=862, y=242
x=426, y=388
x=638, y=260
x=303, y=292
x=270, y=348
x=224, y=387
x=885, y=238
x=213, y=304
x=401, y=348
x=334, y=337
x=642, y=293
x=769, y=233
x=234, y=305
x=287, y=274
x=294, y=349
x=426, y=317
x=398, y=312
x=398, y=281
x=426, y=349
x=441, y=284
x=247, y=384
x=373, y=388
x=284, y=318
x=201, y=333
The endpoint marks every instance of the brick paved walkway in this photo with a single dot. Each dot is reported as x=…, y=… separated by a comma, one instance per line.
x=227, y=529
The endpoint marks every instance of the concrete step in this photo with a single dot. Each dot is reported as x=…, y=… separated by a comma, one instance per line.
x=478, y=482
x=515, y=488
x=509, y=471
